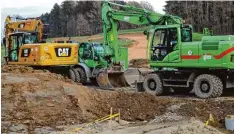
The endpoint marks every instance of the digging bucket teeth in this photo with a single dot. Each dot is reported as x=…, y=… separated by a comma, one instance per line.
x=111, y=80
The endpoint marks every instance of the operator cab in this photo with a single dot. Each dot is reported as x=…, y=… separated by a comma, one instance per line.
x=91, y=52
x=16, y=40
x=167, y=40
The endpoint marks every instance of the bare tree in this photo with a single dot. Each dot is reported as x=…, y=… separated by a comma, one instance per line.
x=216, y=15
x=146, y=5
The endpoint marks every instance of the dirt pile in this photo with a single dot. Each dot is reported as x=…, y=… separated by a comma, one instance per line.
x=46, y=99
x=133, y=106
x=142, y=106
x=139, y=63
x=36, y=102
x=19, y=69
x=42, y=74
x=202, y=109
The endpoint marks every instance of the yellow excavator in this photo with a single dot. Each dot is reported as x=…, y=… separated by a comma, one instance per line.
x=25, y=44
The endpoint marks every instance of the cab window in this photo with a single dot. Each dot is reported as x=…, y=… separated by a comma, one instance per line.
x=30, y=38
x=85, y=51
x=186, y=34
x=164, y=42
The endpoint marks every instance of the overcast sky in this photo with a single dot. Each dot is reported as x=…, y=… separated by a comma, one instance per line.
x=34, y=8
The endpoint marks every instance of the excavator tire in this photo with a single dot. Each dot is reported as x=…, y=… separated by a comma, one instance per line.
x=80, y=75
x=208, y=86
x=72, y=74
x=153, y=84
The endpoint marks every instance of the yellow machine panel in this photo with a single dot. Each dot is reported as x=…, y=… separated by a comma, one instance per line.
x=47, y=54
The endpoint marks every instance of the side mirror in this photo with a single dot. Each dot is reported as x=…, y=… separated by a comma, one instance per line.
x=96, y=58
x=145, y=32
x=81, y=52
x=4, y=41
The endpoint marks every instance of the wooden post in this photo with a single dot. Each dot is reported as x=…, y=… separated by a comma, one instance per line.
x=119, y=116
x=111, y=118
x=111, y=111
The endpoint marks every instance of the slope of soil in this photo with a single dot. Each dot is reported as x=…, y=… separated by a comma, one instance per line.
x=139, y=63
x=31, y=100
x=19, y=69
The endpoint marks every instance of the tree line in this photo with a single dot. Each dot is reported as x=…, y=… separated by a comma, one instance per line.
x=79, y=18
x=215, y=15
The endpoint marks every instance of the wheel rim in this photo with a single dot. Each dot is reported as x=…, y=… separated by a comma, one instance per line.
x=152, y=85
x=205, y=87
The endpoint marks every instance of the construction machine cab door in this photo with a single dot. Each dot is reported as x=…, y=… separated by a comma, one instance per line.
x=4, y=45
x=15, y=42
x=86, y=54
x=165, y=44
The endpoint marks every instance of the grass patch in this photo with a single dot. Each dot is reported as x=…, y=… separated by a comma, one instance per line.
x=85, y=38
x=75, y=38
x=95, y=38
x=122, y=41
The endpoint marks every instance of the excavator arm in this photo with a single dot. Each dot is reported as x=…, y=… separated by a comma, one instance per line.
x=118, y=55
x=132, y=15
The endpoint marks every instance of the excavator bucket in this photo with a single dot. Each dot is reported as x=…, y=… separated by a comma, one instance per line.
x=131, y=78
x=111, y=80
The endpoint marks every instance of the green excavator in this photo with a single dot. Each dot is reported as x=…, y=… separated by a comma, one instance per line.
x=178, y=62
x=105, y=63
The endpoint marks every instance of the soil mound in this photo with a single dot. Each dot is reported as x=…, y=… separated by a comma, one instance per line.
x=19, y=69
x=139, y=63
x=47, y=99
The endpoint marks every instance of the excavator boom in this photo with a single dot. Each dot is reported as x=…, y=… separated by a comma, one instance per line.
x=117, y=54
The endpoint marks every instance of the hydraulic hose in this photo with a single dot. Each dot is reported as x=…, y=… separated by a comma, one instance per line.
x=164, y=20
x=154, y=23
x=108, y=17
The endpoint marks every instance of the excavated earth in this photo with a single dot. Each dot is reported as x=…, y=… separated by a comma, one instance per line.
x=32, y=99
x=139, y=63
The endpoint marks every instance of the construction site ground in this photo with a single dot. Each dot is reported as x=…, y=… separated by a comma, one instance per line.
x=38, y=101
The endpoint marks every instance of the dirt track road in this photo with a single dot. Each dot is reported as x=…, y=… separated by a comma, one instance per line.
x=137, y=50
